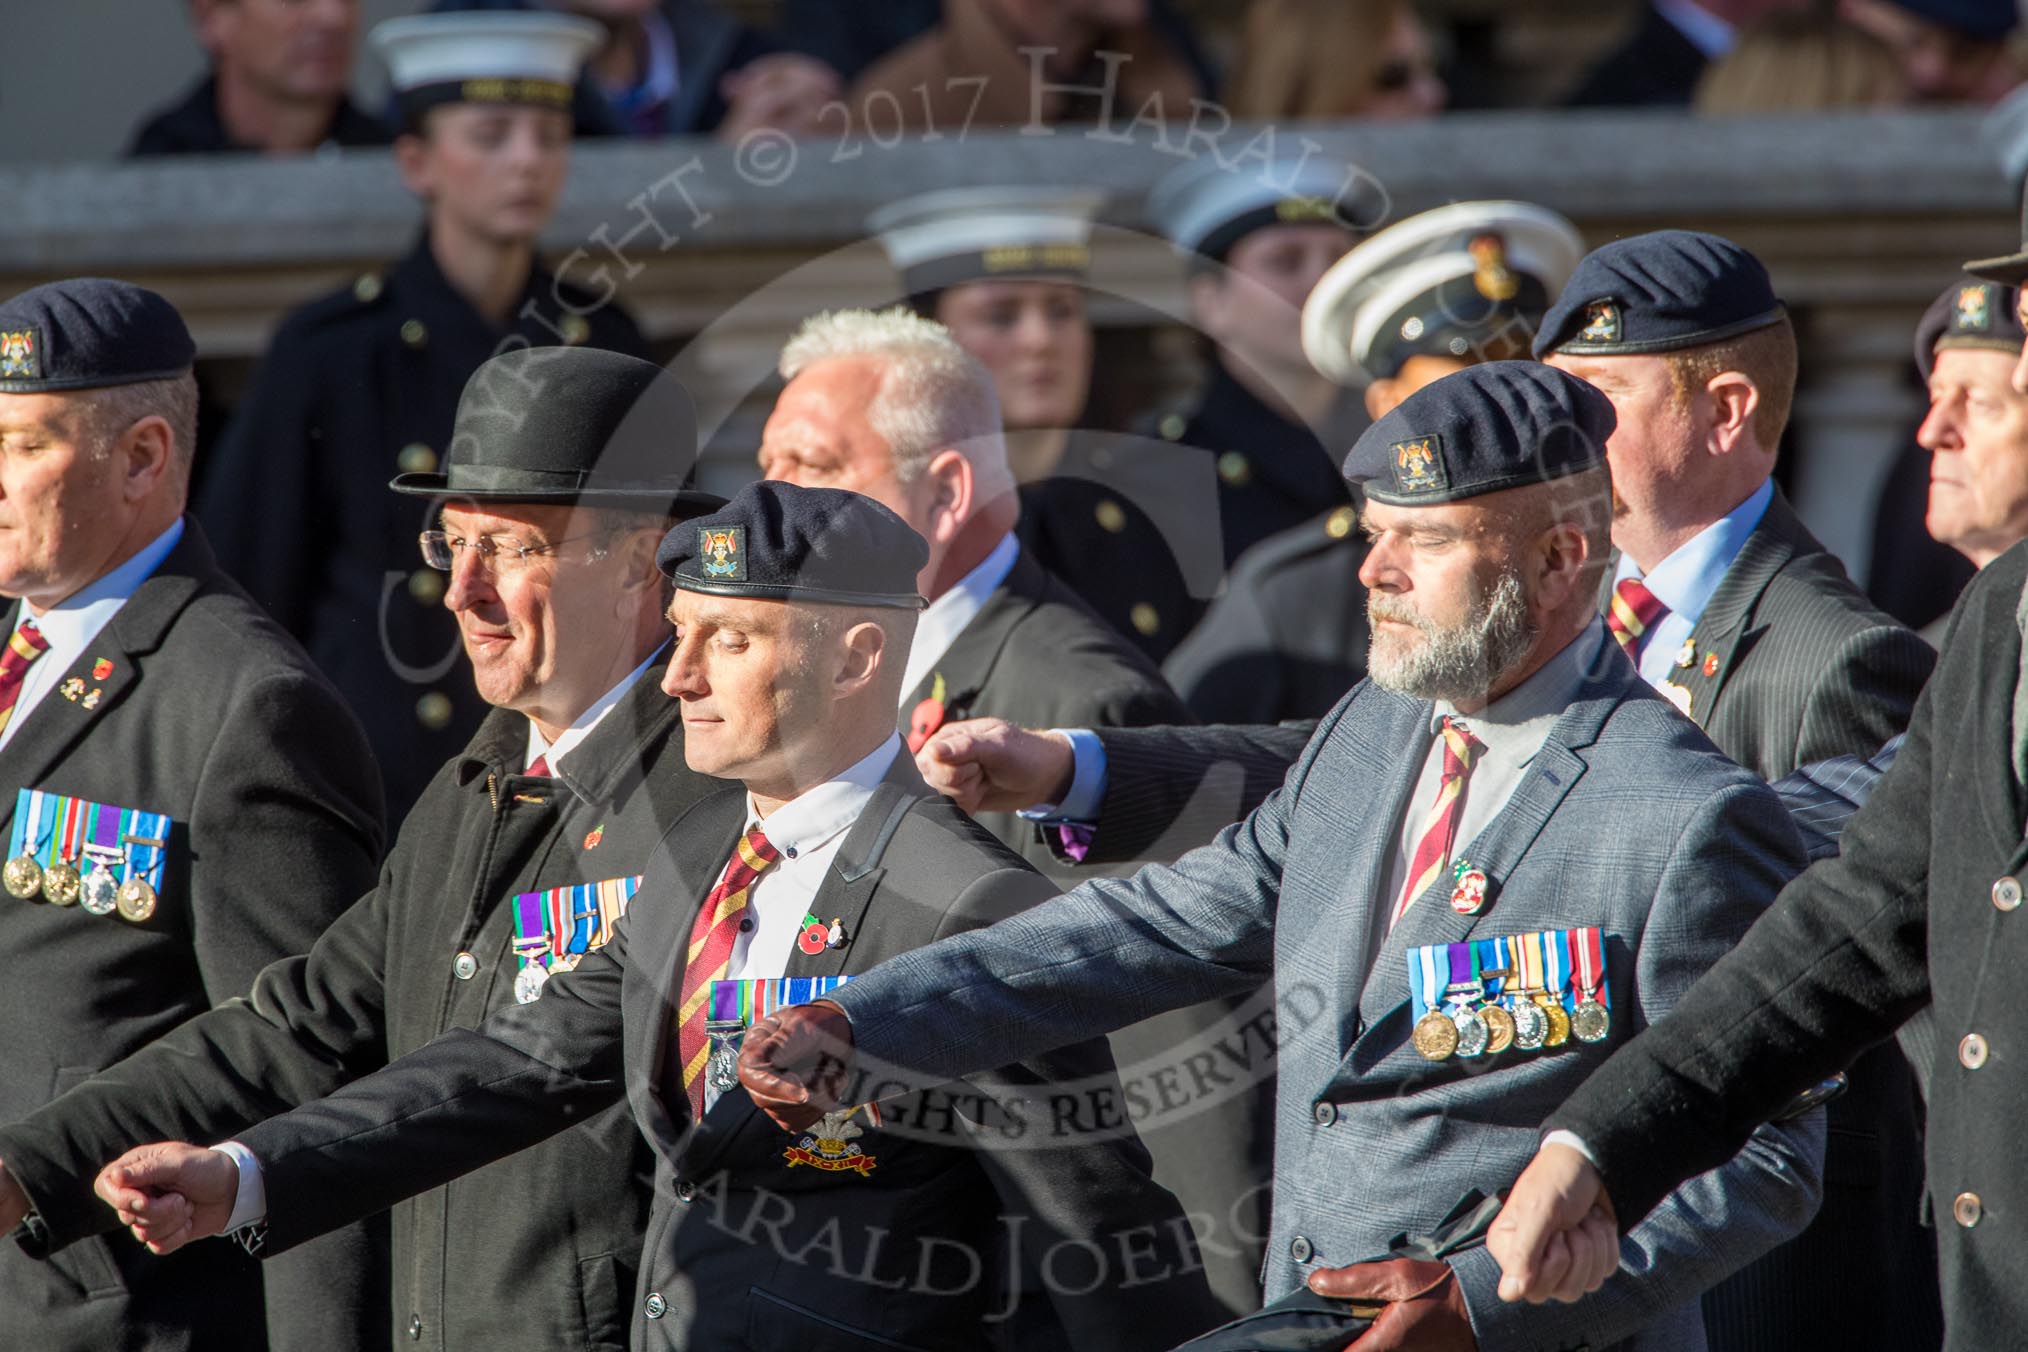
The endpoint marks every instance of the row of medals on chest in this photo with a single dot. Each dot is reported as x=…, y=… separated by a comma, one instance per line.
x=1478, y=1024
x=63, y=884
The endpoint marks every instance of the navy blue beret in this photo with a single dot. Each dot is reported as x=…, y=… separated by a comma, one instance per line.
x=1982, y=20
x=778, y=542
x=88, y=332
x=1659, y=292
x=1501, y=424
x=1969, y=314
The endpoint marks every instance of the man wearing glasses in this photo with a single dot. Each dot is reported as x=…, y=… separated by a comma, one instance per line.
x=567, y=467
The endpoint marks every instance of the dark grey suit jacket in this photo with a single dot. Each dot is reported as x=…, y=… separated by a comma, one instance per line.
x=212, y=715
x=743, y=1249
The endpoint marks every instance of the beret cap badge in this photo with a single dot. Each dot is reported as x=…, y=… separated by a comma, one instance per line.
x=1491, y=277
x=1973, y=310
x=1601, y=323
x=1419, y=465
x=20, y=354
x=722, y=552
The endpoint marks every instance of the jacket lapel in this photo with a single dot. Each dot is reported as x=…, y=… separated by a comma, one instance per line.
x=968, y=663
x=1725, y=631
x=49, y=731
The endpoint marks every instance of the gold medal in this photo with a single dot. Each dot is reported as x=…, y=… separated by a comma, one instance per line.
x=1436, y=1037
x=61, y=883
x=1499, y=1028
x=23, y=877
x=1590, y=1022
x=136, y=900
x=1559, y=1022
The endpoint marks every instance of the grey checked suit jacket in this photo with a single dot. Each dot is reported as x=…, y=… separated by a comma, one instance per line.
x=1628, y=819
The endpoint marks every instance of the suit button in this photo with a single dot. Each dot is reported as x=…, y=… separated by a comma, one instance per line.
x=1301, y=1250
x=426, y=586
x=655, y=1306
x=2007, y=893
x=433, y=711
x=1972, y=1051
x=1967, y=1209
x=415, y=1328
x=464, y=967
x=416, y=458
x=686, y=1191
x=1326, y=1114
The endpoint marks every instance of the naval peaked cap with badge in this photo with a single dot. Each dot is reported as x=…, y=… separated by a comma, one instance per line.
x=1503, y=424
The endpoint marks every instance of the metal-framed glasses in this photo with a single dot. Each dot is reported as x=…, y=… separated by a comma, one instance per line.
x=501, y=553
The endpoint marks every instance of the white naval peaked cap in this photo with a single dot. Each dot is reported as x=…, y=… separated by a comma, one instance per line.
x=484, y=57
x=1205, y=208
x=953, y=235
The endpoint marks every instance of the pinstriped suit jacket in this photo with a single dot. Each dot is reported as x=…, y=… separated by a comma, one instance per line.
x=1628, y=819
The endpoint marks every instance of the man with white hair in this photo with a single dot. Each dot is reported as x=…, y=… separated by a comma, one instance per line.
x=889, y=405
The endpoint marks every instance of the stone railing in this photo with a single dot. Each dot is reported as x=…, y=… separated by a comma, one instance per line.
x=719, y=249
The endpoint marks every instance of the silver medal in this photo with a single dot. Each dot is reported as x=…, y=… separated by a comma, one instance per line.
x=99, y=892
x=1472, y=1031
x=528, y=983
x=1531, y=1025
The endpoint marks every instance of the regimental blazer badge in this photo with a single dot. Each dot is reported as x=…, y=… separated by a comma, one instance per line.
x=1973, y=310
x=20, y=355
x=1419, y=465
x=723, y=552
x=833, y=1146
x=1601, y=323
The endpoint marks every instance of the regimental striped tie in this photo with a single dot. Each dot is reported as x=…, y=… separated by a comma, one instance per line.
x=709, y=956
x=1634, y=611
x=16, y=658
x=1440, y=827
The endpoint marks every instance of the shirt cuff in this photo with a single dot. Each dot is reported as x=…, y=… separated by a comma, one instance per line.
x=250, y=1204
x=1087, y=782
x=1575, y=1142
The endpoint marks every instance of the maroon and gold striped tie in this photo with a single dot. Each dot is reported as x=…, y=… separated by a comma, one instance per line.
x=16, y=658
x=1633, y=612
x=1440, y=827
x=709, y=956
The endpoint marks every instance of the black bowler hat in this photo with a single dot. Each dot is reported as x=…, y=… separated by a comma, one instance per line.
x=571, y=425
x=780, y=542
x=1979, y=315
x=87, y=333
x=1502, y=424
x=1659, y=292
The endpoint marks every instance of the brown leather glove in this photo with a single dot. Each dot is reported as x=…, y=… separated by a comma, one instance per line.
x=1425, y=1311
x=797, y=1063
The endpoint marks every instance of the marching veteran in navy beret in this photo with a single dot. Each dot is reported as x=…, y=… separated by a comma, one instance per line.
x=1499, y=856
x=567, y=467
x=933, y=1221
x=185, y=799
x=365, y=382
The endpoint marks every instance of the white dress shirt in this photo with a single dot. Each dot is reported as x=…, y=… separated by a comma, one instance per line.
x=808, y=831
x=586, y=721
x=70, y=625
x=1686, y=579
x=939, y=626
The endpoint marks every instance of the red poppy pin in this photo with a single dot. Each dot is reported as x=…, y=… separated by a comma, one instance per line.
x=1711, y=664
x=814, y=936
x=594, y=836
x=927, y=717
x=102, y=668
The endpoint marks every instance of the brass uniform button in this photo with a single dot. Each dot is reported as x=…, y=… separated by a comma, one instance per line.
x=426, y=586
x=1145, y=618
x=1172, y=426
x=575, y=328
x=1972, y=1051
x=1111, y=515
x=416, y=458
x=1234, y=469
x=433, y=711
x=414, y=333
x=366, y=290
x=1966, y=1209
x=1340, y=523
x=2007, y=893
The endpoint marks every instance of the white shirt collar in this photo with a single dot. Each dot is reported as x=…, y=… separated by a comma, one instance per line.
x=586, y=721
x=1707, y=32
x=817, y=815
x=1686, y=579
x=939, y=626
x=75, y=620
